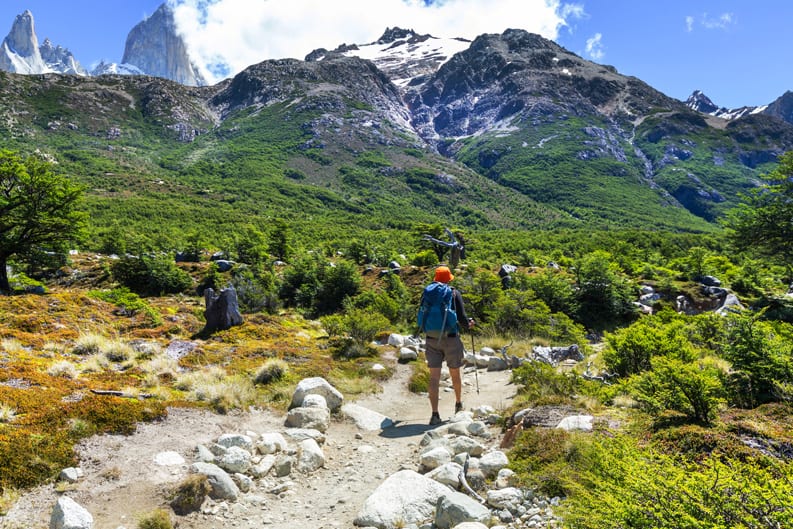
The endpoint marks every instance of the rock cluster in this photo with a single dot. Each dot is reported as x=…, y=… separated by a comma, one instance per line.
x=458, y=479
x=456, y=457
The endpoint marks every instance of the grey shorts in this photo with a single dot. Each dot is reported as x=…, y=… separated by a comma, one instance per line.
x=448, y=348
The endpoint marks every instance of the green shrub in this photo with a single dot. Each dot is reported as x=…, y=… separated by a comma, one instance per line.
x=539, y=458
x=688, y=388
x=630, y=350
x=151, y=275
x=190, y=494
x=272, y=370
x=128, y=303
x=539, y=383
x=157, y=519
x=425, y=258
x=615, y=484
x=762, y=361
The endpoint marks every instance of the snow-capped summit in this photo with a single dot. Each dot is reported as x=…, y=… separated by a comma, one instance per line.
x=702, y=103
x=402, y=54
x=20, y=49
x=113, y=68
x=59, y=59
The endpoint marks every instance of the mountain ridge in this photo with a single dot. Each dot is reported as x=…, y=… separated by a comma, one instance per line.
x=153, y=47
x=514, y=132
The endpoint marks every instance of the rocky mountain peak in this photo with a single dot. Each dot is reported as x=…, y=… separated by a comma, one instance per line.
x=395, y=33
x=157, y=49
x=22, y=37
x=782, y=107
x=20, y=49
x=59, y=59
x=700, y=102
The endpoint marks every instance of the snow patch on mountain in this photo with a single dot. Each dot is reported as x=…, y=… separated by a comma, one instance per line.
x=402, y=54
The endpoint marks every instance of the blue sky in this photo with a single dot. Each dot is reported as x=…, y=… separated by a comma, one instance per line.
x=733, y=50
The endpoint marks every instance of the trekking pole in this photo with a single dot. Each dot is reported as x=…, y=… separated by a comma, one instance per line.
x=476, y=367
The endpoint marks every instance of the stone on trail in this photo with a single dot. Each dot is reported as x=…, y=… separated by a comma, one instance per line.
x=366, y=419
x=406, y=497
x=270, y=443
x=68, y=514
x=223, y=487
x=312, y=418
x=309, y=456
x=314, y=401
x=235, y=439
x=318, y=386
x=448, y=474
x=492, y=462
x=455, y=508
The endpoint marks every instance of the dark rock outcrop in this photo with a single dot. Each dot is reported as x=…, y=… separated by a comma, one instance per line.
x=222, y=310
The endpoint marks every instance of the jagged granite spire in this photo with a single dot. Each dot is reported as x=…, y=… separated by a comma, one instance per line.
x=157, y=49
x=20, y=50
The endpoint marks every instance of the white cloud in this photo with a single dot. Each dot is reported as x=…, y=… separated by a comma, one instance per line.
x=689, y=24
x=230, y=35
x=594, y=47
x=722, y=21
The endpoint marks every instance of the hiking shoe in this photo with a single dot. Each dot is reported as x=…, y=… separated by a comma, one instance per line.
x=458, y=407
x=435, y=419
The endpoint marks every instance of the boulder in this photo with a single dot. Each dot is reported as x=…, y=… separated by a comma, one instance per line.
x=455, y=508
x=365, y=418
x=235, y=459
x=314, y=401
x=576, y=422
x=71, y=474
x=310, y=457
x=223, y=487
x=448, y=474
x=222, y=310
x=234, y=439
x=403, y=498
x=68, y=514
x=319, y=386
x=435, y=457
x=311, y=418
x=556, y=355
x=270, y=443
x=491, y=462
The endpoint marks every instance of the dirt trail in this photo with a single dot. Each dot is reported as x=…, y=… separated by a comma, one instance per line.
x=122, y=482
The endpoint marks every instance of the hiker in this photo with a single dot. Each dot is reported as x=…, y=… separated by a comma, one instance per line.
x=440, y=313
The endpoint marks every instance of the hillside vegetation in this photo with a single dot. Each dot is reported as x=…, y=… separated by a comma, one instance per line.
x=311, y=188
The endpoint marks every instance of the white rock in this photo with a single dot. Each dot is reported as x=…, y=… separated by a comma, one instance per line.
x=576, y=422
x=492, y=462
x=378, y=368
x=505, y=478
x=506, y=498
x=168, y=459
x=496, y=363
x=300, y=434
x=435, y=457
x=483, y=411
x=314, y=401
x=404, y=498
x=263, y=467
x=448, y=474
x=396, y=340
x=309, y=456
x=465, y=445
x=311, y=418
x=487, y=351
x=202, y=453
x=244, y=482
x=474, y=525
x=71, y=474
x=68, y=514
x=318, y=386
x=235, y=459
x=365, y=418
x=234, y=439
x=223, y=487
x=407, y=354
x=283, y=465
x=455, y=508
x=270, y=443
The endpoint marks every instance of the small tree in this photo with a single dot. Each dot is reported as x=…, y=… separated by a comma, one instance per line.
x=37, y=208
x=763, y=222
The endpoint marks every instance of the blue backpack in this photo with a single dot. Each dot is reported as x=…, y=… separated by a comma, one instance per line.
x=436, y=316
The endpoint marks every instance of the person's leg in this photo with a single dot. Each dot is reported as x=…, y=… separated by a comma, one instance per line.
x=434, y=389
x=457, y=384
x=434, y=363
x=455, y=356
